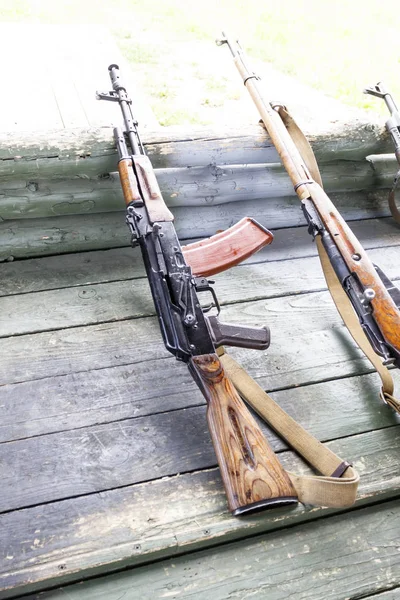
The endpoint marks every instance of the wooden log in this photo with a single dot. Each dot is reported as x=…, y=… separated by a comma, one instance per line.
x=184, y=187
x=90, y=152
x=55, y=272
x=74, y=233
x=73, y=539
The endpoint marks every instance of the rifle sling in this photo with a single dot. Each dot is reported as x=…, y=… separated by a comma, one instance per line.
x=337, y=486
x=339, y=296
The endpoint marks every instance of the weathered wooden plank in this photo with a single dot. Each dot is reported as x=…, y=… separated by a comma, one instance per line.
x=106, y=302
x=40, y=198
x=392, y=594
x=103, y=457
x=66, y=402
x=309, y=344
x=186, y=187
x=31, y=237
x=345, y=556
x=70, y=307
x=55, y=272
x=71, y=539
x=82, y=151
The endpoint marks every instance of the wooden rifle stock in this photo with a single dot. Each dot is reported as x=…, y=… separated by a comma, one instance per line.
x=253, y=476
x=385, y=312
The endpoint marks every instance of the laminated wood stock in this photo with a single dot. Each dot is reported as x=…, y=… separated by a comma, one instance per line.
x=253, y=476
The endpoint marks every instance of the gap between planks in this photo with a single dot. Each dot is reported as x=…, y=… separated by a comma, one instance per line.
x=321, y=544
x=97, y=266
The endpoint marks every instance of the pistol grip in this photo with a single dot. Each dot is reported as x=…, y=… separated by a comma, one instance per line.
x=241, y=336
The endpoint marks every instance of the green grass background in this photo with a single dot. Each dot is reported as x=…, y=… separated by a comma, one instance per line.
x=335, y=46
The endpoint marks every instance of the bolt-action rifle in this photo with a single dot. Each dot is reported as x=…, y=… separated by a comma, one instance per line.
x=393, y=128
x=374, y=298
x=252, y=475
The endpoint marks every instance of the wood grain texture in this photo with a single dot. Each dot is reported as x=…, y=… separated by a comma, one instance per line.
x=113, y=301
x=104, y=457
x=56, y=235
x=131, y=526
x=351, y=555
x=253, y=476
x=36, y=197
x=111, y=433
x=307, y=321
x=101, y=457
x=151, y=193
x=56, y=272
x=130, y=391
x=128, y=181
x=228, y=248
x=75, y=150
x=385, y=312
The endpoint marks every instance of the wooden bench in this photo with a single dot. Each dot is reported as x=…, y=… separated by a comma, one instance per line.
x=109, y=482
x=109, y=485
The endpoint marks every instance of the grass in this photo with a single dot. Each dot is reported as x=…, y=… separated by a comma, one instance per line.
x=336, y=47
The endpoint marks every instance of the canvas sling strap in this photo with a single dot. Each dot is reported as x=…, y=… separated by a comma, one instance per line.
x=339, y=296
x=338, y=482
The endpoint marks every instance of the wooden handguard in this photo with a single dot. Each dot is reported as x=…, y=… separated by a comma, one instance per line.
x=209, y=256
x=228, y=248
x=149, y=191
x=253, y=476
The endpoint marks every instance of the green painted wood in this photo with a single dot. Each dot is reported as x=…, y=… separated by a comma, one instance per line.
x=65, y=402
x=88, y=152
x=56, y=272
x=42, y=198
x=106, y=302
x=75, y=233
x=310, y=344
x=103, y=457
x=393, y=594
x=72, y=539
x=186, y=187
x=345, y=556
x=29, y=237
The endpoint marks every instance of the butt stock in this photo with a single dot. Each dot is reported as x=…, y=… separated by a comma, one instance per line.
x=253, y=477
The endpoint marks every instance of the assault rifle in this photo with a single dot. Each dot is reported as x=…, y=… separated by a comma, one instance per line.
x=374, y=298
x=252, y=475
x=393, y=128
